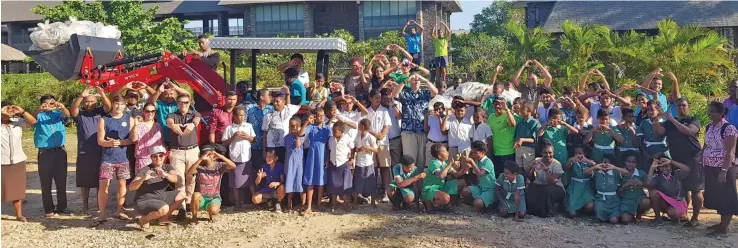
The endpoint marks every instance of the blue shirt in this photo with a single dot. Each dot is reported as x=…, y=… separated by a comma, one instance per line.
x=49, y=130
x=732, y=116
x=255, y=116
x=413, y=42
x=272, y=175
x=163, y=109
x=414, y=107
x=298, y=93
x=569, y=116
x=662, y=99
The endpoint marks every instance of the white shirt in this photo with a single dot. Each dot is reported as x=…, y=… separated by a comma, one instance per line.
x=365, y=158
x=396, y=122
x=379, y=118
x=304, y=77
x=12, y=144
x=460, y=133
x=340, y=150
x=240, y=149
x=277, y=125
x=615, y=115
x=482, y=132
x=434, y=126
x=346, y=129
x=354, y=116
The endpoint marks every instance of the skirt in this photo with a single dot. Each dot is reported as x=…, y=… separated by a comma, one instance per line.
x=509, y=201
x=606, y=207
x=721, y=197
x=679, y=206
x=630, y=204
x=13, y=182
x=243, y=175
x=340, y=180
x=88, y=169
x=542, y=198
x=579, y=194
x=365, y=181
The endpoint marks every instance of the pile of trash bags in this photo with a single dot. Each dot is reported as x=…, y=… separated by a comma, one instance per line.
x=49, y=35
x=468, y=90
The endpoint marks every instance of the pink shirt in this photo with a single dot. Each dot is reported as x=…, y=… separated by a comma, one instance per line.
x=147, y=138
x=219, y=121
x=714, y=153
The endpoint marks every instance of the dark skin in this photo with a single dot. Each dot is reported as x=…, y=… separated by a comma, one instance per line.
x=664, y=165
x=716, y=116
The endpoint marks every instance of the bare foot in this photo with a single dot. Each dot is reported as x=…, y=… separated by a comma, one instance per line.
x=21, y=219
x=307, y=212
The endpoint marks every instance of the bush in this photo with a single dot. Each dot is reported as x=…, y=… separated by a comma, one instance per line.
x=25, y=90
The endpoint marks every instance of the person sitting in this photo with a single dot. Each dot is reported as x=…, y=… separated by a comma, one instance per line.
x=665, y=189
x=545, y=191
x=155, y=196
x=607, y=201
x=483, y=195
x=270, y=182
x=633, y=200
x=209, y=169
x=401, y=191
x=437, y=190
x=511, y=192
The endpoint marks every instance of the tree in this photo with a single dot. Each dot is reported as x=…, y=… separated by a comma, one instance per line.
x=139, y=32
x=476, y=53
x=493, y=18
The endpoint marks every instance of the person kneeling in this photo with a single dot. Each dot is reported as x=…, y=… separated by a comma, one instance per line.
x=437, y=190
x=484, y=193
x=401, y=192
x=269, y=181
x=607, y=201
x=153, y=201
x=209, y=172
x=665, y=189
x=511, y=192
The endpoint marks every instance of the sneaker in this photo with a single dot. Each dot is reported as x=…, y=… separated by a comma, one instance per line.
x=270, y=205
x=385, y=199
x=277, y=207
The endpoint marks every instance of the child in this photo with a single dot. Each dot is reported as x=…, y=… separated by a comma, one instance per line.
x=665, y=189
x=583, y=125
x=511, y=192
x=459, y=131
x=341, y=162
x=640, y=108
x=568, y=105
x=318, y=93
x=238, y=137
x=401, y=191
x=581, y=197
x=482, y=132
x=440, y=42
x=294, y=167
x=628, y=130
x=517, y=103
x=270, y=182
x=484, y=193
x=633, y=201
x=548, y=99
x=365, y=181
x=654, y=144
x=556, y=132
x=436, y=126
x=314, y=175
x=603, y=136
x=607, y=202
x=437, y=190
x=273, y=123
x=525, y=137
x=208, y=177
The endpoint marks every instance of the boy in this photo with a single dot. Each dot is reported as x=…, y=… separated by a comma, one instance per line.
x=270, y=180
x=484, y=193
x=238, y=137
x=482, y=132
x=548, y=98
x=340, y=179
x=525, y=137
x=440, y=42
x=402, y=190
x=208, y=177
x=365, y=181
x=459, y=131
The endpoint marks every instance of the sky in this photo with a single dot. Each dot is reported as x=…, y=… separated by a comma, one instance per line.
x=461, y=20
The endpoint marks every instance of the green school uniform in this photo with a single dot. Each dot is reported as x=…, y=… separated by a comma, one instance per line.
x=628, y=139
x=508, y=190
x=557, y=137
x=631, y=197
x=433, y=184
x=604, y=143
x=486, y=188
x=397, y=172
x=654, y=144
x=580, y=187
x=527, y=129
x=607, y=202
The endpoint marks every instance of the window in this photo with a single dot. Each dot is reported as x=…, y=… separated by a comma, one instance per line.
x=235, y=26
x=279, y=18
x=213, y=27
x=729, y=33
x=194, y=26
x=388, y=14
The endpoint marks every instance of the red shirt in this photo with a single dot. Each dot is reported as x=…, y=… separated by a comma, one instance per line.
x=218, y=123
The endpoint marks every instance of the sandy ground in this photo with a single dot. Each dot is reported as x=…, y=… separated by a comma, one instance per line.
x=365, y=227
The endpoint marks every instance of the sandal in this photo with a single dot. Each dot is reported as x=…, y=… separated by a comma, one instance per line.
x=97, y=222
x=123, y=216
x=21, y=219
x=144, y=227
x=692, y=224
x=51, y=215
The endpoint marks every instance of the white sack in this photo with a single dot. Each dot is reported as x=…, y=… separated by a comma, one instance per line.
x=468, y=90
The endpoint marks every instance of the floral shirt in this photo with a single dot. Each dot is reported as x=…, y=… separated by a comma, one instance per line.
x=714, y=152
x=255, y=116
x=414, y=108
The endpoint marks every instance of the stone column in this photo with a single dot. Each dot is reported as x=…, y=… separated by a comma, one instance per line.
x=309, y=27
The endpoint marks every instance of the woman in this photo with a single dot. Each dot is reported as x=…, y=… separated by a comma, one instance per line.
x=154, y=185
x=13, y=157
x=146, y=134
x=720, y=170
x=545, y=189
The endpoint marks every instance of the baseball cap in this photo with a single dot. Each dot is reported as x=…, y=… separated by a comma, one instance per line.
x=158, y=149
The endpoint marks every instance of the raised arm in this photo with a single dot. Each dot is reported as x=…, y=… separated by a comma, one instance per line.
x=516, y=79
x=675, y=94
x=107, y=105
x=647, y=81
x=623, y=102
x=604, y=79
x=74, y=110
x=547, y=76
x=498, y=70
x=405, y=28
x=420, y=28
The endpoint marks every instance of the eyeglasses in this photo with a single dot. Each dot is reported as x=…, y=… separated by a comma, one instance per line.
x=149, y=111
x=158, y=155
x=184, y=103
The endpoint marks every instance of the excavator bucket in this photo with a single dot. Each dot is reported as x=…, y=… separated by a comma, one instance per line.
x=64, y=61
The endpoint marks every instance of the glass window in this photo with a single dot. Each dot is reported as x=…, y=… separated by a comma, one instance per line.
x=194, y=26
x=214, y=27
x=274, y=19
x=235, y=26
x=388, y=14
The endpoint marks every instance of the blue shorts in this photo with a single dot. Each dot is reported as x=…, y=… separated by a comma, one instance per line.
x=440, y=62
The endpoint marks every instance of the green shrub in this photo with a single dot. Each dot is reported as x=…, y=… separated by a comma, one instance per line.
x=25, y=90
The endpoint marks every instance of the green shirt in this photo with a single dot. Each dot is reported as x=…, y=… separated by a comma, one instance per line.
x=645, y=130
x=489, y=105
x=604, y=138
x=502, y=134
x=400, y=78
x=557, y=136
x=508, y=188
x=527, y=129
x=606, y=181
x=397, y=171
x=578, y=168
x=486, y=182
x=441, y=46
x=431, y=179
x=635, y=192
x=628, y=137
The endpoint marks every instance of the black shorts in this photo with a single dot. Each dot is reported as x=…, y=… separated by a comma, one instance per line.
x=440, y=62
x=147, y=205
x=696, y=179
x=417, y=58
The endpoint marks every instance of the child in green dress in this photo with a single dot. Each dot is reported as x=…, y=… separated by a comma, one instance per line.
x=437, y=190
x=484, y=193
x=555, y=131
x=603, y=136
x=511, y=192
x=633, y=201
x=401, y=191
x=581, y=197
x=607, y=202
x=628, y=131
x=654, y=145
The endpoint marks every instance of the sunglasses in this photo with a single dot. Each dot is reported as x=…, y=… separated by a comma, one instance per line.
x=158, y=155
x=149, y=111
x=184, y=103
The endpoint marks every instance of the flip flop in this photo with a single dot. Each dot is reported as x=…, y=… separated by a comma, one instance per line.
x=97, y=222
x=145, y=228
x=51, y=215
x=690, y=224
x=122, y=216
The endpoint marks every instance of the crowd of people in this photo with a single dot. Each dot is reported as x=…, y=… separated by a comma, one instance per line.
x=519, y=149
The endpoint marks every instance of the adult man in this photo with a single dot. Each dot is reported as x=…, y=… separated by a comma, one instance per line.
x=298, y=92
x=529, y=90
x=356, y=83
x=441, y=38
x=208, y=56
x=414, y=107
x=89, y=153
x=502, y=122
x=164, y=99
x=380, y=126
x=413, y=40
x=277, y=122
x=296, y=61
x=184, y=150
x=255, y=113
x=113, y=134
x=50, y=136
x=653, y=84
x=509, y=93
x=395, y=143
x=732, y=95
x=401, y=72
x=682, y=135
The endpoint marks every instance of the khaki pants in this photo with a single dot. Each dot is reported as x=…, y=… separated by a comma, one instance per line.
x=382, y=158
x=412, y=145
x=395, y=149
x=524, y=156
x=181, y=160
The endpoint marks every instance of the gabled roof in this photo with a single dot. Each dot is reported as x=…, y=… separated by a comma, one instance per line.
x=626, y=15
x=453, y=6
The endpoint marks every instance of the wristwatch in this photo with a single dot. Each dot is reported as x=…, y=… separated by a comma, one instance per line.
x=724, y=169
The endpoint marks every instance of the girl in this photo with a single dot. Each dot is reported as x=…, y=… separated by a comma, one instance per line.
x=317, y=132
x=437, y=190
x=318, y=93
x=665, y=189
x=270, y=182
x=581, y=197
x=603, y=136
x=654, y=144
x=640, y=108
x=365, y=181
x=436, y=126
x=511, y=192
x=146, y=134
x=13, y=157
x=483, y=194
x=628, y=130
x=341, y=157
x=546, y=190
x=293, y=167
x=633, y=201
x=607, y=202
x=556, y=131
x=583, y=124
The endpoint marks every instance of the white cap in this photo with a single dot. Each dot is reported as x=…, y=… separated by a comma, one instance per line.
x=158, y=149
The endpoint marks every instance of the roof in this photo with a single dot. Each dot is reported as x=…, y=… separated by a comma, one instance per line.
x=626, y=15
x=8, y=53
x=280, y=45
x=454, y=5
